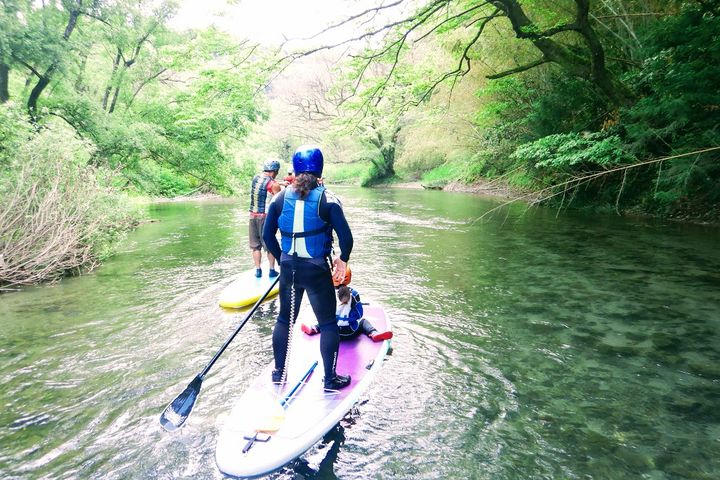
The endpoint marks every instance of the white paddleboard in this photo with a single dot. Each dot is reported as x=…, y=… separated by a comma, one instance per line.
x=246, y=289
x=309, y=414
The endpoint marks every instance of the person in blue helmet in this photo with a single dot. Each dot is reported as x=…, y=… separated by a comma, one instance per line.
x=262, y=188
x=306, y=214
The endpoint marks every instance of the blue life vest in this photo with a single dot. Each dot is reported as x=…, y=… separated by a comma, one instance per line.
x=303, y=232
x=350, y=315
x=259, y=193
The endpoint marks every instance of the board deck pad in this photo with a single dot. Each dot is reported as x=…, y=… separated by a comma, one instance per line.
x=311, y=412
x=246, y=289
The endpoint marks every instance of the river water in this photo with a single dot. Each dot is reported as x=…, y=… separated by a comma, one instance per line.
x=530, y=344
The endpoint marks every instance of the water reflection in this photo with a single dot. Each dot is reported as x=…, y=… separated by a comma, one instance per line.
x=527, y=346
x=308, y=466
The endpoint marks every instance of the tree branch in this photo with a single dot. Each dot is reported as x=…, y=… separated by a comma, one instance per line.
x=519, y=69
x=26, y=65
x=373, y=10
x=143, y=84
x=464, y=66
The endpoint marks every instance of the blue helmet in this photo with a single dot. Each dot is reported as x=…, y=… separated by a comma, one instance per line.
x=271, y=166
x=308, y=159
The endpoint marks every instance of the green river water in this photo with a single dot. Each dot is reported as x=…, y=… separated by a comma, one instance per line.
x=529, y=345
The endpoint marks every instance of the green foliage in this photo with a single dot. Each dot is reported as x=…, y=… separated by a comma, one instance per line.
x=116, y=91
x=156, y=180
x=680, y=104
x=14, y=130
x=573, y=152
x=158, y=105
x=544, y=127
x=490, y=161
x=679, y=110
x=523, y=108
x=417, y=162
x=507, y=106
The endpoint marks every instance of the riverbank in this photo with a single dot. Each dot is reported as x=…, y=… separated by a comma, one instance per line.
x=483, y=188
x=709, y=216
x=200, y=197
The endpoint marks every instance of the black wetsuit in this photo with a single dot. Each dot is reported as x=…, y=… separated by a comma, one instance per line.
x=311, y=275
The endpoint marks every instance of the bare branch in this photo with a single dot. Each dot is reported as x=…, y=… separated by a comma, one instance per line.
x=623, y=15
x=371, y=33
x=373, y=10
x=449, y=19
x=555, y=190
x=26, y=65
x=96, y=17
x=464, y=65
x=143, y=84
x=519, y=69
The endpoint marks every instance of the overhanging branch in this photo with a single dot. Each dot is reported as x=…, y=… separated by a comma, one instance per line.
x=519, y=69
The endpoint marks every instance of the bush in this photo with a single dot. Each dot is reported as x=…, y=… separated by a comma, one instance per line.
x=573, y=152
x=679, y=111
x=156, y=180
x=374, y=176
x=57, y=214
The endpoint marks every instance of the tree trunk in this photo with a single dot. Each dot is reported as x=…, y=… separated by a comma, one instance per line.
x=44, y=80
x=108, y=89
x=4, y=78
x=388, y=154
x=592, y=68
x=114, y=100
x=616, y=92
x=79, y=80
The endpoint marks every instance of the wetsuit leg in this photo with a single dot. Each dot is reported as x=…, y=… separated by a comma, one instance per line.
x=329, y=348
x=280, y=342
x=281, y=329
x=321, y=294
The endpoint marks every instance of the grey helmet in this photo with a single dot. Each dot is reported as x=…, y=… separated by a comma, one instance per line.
x=271, y=166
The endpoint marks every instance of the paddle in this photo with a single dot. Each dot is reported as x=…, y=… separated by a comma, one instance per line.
x=274, y=420
x=175, y=414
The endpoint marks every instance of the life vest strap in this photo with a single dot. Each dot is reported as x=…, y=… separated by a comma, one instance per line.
x=308, y=233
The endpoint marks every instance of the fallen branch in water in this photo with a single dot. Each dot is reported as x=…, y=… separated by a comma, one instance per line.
x=545, y=194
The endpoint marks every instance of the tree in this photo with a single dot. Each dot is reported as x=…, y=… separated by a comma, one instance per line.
x=569, y=40
x=73, y=10
x=10, y=28
x=162, y=111
x=130, y=31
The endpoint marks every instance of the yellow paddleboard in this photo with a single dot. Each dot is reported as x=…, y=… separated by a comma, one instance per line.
x=247, y=288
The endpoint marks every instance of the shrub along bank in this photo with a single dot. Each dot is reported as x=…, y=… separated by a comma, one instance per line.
x=57, y=215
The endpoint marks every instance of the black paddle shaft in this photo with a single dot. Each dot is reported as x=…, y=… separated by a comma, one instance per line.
x=237, y=330
x=175, y=414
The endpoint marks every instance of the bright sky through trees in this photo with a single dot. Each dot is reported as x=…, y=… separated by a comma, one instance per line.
x=268, y=21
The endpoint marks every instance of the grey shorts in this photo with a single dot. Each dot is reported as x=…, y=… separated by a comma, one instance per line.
x=255, y=233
